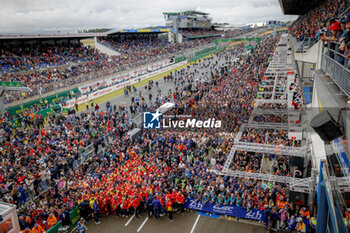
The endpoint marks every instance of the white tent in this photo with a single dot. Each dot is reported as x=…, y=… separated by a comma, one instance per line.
x=8, y=218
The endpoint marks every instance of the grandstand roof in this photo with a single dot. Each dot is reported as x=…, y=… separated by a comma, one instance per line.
x=298, y=7
x=80, y=35
x=48, y=36
x=186, y=12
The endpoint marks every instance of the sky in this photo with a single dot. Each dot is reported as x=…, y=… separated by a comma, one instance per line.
x=28, y=16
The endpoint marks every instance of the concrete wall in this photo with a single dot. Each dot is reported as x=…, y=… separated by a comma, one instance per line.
x=311, y=56
x=105, y=49
x=305, y=69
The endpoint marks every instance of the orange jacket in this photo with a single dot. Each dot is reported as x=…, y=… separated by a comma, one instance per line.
x=51, y=220
x=301, y=227
x=38, y=229
x=305, y=214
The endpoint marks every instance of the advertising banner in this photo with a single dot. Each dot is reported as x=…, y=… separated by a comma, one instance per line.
x=230, y=210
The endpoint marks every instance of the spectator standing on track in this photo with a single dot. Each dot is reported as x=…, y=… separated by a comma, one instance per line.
x=81, y=226
x=284, y=216
x=84, y=209
x=180, y=201
x=301, y=228
x=149, y=205
x=267, y=214
x=96, y=212
x=169, y=208
x=292, y=224
x=156, y=205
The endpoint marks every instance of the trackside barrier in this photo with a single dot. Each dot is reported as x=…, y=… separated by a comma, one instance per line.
x=17, y=109
x=74, y=217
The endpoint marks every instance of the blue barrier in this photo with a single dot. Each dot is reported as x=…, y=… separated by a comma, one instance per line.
x=230, y=210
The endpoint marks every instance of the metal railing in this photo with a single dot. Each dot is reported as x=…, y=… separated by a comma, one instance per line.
x=336, y=65
x=304, y=45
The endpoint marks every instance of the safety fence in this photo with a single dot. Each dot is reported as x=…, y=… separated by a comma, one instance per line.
x=337, y=66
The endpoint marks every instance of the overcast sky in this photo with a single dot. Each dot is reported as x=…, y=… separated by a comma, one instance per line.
x=18, y=16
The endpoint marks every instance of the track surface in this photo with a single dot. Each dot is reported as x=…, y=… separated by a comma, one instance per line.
x=182, y=224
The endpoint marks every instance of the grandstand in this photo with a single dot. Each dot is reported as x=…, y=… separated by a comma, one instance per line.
x=190, y=25
x=188, y=19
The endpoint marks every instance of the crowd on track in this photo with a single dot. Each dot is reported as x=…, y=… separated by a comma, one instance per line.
x=159, y=170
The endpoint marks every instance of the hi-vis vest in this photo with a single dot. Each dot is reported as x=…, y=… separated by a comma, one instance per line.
x=313, y=221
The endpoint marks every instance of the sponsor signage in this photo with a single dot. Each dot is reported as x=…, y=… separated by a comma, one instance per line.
x=10, y=84
x=231, y=210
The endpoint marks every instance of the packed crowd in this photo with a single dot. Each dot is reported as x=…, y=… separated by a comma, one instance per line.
x=338, y=41
x=235, y=33
x=270, y=118
x=280, y=106
x=280, y=165
x=306, y=26
x=268, y=136
x=152, y=48
x=330, y=22
x=247, y=161
x=24, y=57
x=157, y=171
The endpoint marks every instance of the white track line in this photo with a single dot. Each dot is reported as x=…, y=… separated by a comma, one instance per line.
x=144, y=222
x=195, y=223
x=127, y=223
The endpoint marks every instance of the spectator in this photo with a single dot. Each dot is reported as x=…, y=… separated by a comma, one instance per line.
x=96, y=212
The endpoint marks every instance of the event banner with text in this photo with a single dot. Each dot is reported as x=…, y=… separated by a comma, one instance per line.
x=230, y=210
